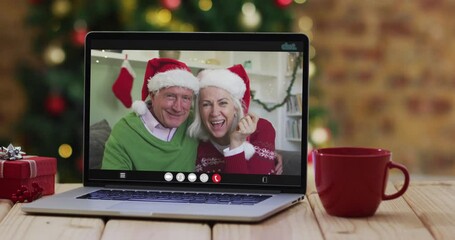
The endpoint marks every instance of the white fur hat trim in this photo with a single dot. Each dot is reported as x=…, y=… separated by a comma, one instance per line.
x=175, y=77
x=140, y=108
x=224, y=79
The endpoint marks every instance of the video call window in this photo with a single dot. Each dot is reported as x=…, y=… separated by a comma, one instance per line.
x=270, y=74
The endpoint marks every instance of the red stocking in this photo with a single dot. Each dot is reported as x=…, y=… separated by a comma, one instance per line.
x=124, y=83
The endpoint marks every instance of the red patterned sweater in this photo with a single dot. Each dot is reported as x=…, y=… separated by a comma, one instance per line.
x=210, y=159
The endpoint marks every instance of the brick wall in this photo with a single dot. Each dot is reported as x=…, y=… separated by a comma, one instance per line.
x=13, y=48
x=386, y=70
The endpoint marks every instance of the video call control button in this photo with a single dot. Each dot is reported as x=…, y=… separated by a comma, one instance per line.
x=216, y=178
x=180, y=177
x=192, y=177
x=168, y=176
x=204, y=177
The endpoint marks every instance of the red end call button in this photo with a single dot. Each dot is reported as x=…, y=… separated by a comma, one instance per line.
x=216, y=178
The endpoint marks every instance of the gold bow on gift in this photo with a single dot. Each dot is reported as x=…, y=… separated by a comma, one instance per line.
x=11, y=153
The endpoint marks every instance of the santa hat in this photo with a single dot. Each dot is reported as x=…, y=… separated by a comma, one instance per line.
x=161, y=73
x=234, y=80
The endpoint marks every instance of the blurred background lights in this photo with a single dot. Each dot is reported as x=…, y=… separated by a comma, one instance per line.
x=305, y=23
x=171, y=4
x=65, y=150
x=312, y=52
x=205, y=5
x=248, y=8
x=54, y=55
x=61, y=8
x=160, y=17
x=319, y=135
x=299, y=1
x=311, y=69
x=164, y=17
x=283, y=3
x=250, y=18
x=128, y=5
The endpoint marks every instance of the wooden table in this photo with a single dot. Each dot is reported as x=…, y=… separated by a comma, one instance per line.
x=426, y=211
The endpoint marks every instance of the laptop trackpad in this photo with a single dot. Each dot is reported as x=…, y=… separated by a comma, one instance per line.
x=145, y=207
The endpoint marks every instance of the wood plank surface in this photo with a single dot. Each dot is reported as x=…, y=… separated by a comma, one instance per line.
x=17, y=225
x=426, y=211
x=434, y=203
x=393, y=220
x=297, y=222
x=5, y=207
x=140, y=230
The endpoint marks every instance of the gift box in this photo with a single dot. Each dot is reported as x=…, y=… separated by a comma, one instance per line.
x=28, y=172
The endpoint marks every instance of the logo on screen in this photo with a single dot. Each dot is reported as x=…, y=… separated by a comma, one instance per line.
x=288, y=47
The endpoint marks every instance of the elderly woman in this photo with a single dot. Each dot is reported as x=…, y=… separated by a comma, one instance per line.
x=232, y=140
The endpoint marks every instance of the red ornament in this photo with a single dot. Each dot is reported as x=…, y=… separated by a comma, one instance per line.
x=78, y=36
x=171, y=4
x=24, y=195
x=310, y=157
x=55, y=104
x=283, y=3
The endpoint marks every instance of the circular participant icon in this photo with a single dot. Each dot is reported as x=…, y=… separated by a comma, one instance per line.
x=192, y=177
x=180, y=177
x=204, y=177
x=168, y=176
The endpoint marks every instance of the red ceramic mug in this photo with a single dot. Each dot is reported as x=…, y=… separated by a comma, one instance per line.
x=351, y=181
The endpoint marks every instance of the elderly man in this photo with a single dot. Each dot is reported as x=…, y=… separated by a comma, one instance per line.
x=154, y=137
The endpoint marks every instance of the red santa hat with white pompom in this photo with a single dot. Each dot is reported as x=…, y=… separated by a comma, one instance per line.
x=161, y=73
x=234, y=80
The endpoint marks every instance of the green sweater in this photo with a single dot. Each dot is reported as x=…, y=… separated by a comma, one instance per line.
x=131, y=147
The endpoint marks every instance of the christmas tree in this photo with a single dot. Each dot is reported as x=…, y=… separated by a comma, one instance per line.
x=54, y=83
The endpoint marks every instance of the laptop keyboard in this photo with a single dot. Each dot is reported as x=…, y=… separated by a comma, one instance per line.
x=176, y=197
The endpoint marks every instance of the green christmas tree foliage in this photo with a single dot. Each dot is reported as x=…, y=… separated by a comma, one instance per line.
x=53, y=83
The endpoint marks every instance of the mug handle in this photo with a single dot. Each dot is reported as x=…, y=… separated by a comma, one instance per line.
x=406, y=181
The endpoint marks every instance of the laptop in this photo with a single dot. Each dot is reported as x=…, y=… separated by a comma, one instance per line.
x=277, y=65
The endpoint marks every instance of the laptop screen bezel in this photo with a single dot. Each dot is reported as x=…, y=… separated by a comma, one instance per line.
x=112, y=40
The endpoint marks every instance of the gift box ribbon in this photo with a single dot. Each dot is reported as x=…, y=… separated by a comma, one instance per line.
x=31, y=164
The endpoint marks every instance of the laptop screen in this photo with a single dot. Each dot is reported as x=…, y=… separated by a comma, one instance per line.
x=213, y=110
